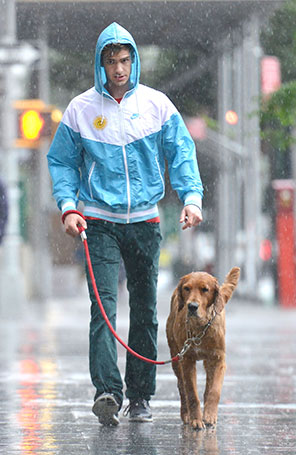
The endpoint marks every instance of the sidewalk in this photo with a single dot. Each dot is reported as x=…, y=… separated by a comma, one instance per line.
x=46, y=394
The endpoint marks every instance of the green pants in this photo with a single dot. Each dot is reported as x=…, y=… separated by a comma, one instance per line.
x=138, y=244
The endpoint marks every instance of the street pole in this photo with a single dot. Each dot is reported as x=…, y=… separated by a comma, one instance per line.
x=239, y=203
x=251, y=93
x=42, y=260
x=12, y=293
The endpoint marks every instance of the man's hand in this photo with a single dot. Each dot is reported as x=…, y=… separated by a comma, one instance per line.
x=71, y=222
x=191, y=216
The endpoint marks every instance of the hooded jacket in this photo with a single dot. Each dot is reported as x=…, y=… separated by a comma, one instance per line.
x=112, y=156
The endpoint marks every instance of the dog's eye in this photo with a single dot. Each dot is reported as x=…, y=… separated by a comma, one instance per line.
x=186, y=288
x=204, y=289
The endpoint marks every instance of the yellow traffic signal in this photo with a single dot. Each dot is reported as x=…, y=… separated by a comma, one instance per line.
x=36, y=121
x=31, y=124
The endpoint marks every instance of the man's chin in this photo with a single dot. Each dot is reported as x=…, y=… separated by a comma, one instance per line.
x=119, y=83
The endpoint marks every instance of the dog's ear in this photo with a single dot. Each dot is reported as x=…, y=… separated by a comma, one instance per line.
x=181, y=302
x=224, y=292
x=230, y=283
x=219, y=302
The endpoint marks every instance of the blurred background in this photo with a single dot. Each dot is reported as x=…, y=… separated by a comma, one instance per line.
x=230, y=69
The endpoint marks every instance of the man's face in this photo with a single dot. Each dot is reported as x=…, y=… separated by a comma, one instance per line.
x=118, y=69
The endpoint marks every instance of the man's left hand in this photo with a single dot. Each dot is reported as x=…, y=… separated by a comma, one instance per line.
x=191, y=216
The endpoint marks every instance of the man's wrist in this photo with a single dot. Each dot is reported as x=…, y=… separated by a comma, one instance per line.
x=196, y=205
x=71, y=211
x=193, y=199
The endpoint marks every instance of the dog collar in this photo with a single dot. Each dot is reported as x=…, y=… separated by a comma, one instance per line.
x=195, y=340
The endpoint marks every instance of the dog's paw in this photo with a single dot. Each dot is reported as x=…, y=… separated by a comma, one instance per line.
x=197, y=424
x=210, y=426
x=210, y=421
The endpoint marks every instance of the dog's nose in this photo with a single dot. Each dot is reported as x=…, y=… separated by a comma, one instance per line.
x=192, y=307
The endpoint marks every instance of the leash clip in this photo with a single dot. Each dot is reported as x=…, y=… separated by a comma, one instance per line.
x=82, y=232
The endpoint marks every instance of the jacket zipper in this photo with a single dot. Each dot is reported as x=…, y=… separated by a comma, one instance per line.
x=89, y=178
x=125, y=165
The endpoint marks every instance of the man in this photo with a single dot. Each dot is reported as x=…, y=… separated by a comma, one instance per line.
x=109, y=152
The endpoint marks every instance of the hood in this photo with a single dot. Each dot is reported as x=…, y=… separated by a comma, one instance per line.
x=115, y=33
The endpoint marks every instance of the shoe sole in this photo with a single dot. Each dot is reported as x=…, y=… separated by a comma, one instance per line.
x=140, y=419
x=105, y=408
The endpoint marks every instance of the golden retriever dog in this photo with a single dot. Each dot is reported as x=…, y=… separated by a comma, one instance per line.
x=196, y=331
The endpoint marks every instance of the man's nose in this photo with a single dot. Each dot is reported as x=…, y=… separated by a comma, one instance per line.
x=118, y=67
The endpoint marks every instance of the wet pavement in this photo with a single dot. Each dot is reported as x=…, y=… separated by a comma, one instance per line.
x=46, y=394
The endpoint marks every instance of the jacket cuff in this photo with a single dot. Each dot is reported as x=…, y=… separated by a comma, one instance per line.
x=67, y=205
x=71, y=211
x=193, y=199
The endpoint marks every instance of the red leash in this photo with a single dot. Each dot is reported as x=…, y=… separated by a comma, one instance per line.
x=92, y=277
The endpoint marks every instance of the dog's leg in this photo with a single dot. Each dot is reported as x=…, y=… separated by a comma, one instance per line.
x=177, y=368
x=179, y=374
x=184, y=412
x=189, y=375
x=215, y=375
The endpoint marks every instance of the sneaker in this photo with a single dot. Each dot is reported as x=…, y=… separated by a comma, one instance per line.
x=106, y=409
x=139, y=411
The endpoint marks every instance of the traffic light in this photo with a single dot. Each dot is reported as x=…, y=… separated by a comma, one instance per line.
x=31, y=124
x=36, y=121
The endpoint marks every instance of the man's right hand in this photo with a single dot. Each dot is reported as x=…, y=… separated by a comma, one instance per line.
x=71, y=222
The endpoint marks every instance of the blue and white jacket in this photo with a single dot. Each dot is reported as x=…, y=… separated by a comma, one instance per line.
x=112, y=156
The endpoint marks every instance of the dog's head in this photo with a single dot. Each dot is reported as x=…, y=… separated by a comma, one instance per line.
x=198, y=291
x=201, y=294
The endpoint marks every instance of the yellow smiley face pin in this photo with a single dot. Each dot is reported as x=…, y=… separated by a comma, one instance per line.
x=100, y=122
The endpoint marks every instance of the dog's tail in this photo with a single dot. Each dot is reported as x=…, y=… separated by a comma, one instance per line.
x=230, y=283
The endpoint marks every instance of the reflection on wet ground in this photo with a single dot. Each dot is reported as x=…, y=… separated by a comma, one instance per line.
x=46, y=395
